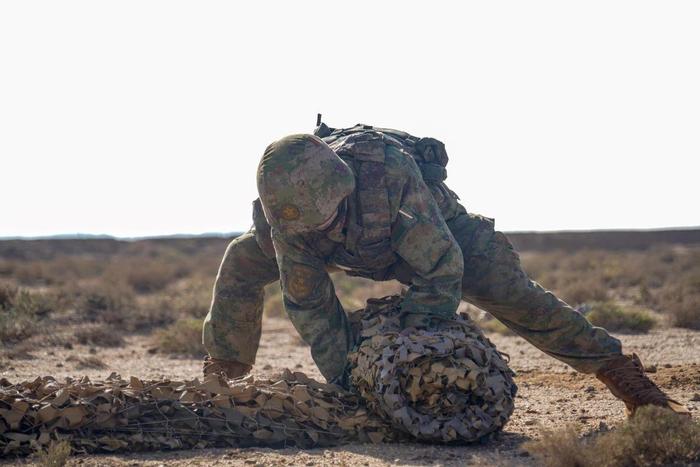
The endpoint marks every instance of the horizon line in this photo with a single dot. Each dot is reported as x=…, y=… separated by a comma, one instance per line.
x=89, y=236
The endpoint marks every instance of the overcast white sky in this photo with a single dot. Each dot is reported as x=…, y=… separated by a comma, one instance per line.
x=148, y=117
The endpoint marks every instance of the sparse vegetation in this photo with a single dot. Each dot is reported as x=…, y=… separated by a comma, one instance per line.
x=20, y=313
x=144, y=286
x=99, y=335
x=87, y=362
x=615, y=317
x=56, y=455
x=654, y=436
x=183, y=337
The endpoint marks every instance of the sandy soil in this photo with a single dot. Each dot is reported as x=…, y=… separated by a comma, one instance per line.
x=550, y=395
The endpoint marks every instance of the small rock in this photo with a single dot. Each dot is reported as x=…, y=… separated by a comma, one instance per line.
x=696, y=397
x=267, y=367
x=152, y=350
x=668, y=365
x=249, y=461
x=590, y=389
x=92, y=350
x=602, y=426
x=50, y=352
x=68, y=346
x=59, y=365
x=650, y=369
x=530, y=422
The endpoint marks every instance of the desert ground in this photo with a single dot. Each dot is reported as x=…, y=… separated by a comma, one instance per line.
x=93, y=307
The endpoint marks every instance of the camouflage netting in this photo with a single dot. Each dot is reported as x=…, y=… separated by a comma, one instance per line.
x=137, y=415
x=448, y=384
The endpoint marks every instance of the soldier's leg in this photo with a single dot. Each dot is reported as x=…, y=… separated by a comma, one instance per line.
x=495, y=282
x=233, y=325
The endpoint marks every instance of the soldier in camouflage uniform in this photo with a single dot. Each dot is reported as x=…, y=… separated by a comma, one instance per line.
x=373, y=202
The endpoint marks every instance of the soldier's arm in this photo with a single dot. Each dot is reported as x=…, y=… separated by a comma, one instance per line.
x=312, y=305
x=421, y=237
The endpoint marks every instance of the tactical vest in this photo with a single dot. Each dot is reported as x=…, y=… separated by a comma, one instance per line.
x=363, y=148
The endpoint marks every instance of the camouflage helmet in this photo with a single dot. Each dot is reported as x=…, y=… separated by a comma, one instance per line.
x=301, y=183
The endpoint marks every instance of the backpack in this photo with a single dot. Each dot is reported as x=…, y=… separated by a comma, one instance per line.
x=429, y=153
x=363, y=148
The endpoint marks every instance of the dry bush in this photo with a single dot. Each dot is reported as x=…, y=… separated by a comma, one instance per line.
x=664, y=278
x=654, y=436
x=682, y=301
x=99, y=336
x=56, y=455
x=87, y=362
x=115, y=305
x=21, y=311
x=191, y=298
x=686, y=314
x=615, y=317
x=106, y=303
x=583, y=290
x=183, y=337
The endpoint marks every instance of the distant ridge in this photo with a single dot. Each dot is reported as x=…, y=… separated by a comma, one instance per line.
x=45, y=247
x=84, y=236
x=604, y=239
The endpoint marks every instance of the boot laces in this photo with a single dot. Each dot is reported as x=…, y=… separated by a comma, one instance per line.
x=636, y=385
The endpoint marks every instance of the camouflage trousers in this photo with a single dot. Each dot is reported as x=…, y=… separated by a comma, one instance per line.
x=493, y=281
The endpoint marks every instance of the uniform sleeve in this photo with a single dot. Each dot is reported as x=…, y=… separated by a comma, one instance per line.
x=312, y=305
x=422, y=239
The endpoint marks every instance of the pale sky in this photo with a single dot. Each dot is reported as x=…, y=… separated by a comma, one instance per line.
x=137, y=118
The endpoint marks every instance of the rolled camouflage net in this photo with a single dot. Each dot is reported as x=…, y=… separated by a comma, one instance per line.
x=447, y=384
x=442, y=385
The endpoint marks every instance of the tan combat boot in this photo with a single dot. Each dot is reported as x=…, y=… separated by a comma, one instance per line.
x=625, y=378
x=228, y=368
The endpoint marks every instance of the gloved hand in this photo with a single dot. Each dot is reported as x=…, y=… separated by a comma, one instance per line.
x=228, y=368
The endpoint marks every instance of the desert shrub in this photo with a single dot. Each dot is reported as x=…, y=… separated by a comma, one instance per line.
x=87, y=362
x=654, y=436
x=614, y=317
x=190, y=298
x=21, y=311
x=183, y=337
x=151, y=276
x=56, y=455
x=115, y=305
x=100, y=336
x=104, y=303
x=686, y=314
x=681, y=301
x=583, y=290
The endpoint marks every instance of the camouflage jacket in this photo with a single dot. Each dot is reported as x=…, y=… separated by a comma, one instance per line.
x=427, y=257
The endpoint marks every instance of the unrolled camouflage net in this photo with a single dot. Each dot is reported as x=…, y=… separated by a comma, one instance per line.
x=136, y=415
x=447, y=384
